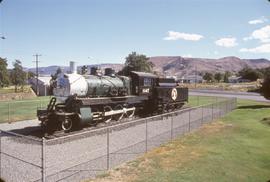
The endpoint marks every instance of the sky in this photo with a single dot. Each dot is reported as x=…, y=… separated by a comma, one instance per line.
x=102, y=31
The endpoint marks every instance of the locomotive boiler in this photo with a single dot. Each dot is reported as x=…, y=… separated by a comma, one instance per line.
x=93, y=85
x=81, y=100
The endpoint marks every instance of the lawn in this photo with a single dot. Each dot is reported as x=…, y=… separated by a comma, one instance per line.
x=11, y=111
x=202, y=100
x=234, y=148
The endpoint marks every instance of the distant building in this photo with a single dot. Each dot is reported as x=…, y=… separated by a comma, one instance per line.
x=174, y=77
x=237, y=79
x=43, y=85
x=191, y=79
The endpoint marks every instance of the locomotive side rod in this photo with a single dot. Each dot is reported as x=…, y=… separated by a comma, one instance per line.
x=120, y=111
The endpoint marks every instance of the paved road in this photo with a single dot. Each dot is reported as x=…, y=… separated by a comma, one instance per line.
x=218, y=93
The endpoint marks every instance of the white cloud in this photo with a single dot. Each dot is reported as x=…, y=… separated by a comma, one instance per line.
x=226, y=42
x=265, y=48
x=172, y=35
x=258, y=21
x=247, y=38
x=262, y=34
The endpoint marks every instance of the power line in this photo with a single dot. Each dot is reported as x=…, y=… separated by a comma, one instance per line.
x=37, y=61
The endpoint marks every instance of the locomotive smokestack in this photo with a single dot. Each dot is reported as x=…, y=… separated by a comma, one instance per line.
x=72, y=67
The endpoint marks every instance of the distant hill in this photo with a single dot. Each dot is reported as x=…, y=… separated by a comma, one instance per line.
x=180, y=66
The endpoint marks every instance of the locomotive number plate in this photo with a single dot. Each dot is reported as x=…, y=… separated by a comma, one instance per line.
x=145, y=90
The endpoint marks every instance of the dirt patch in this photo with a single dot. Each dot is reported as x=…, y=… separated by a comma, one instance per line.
x=17, y=96
x=266, y=121
x=214, y=128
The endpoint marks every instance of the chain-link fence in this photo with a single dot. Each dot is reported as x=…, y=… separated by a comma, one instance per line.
x=85, y=154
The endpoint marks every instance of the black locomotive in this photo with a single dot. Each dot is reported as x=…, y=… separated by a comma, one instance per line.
x=82, y=100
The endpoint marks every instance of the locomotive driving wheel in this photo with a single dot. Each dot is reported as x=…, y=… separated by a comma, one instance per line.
x=66, y=124
x=119, y=116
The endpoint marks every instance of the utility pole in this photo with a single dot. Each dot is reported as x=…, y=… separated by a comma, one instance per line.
x=37, y=61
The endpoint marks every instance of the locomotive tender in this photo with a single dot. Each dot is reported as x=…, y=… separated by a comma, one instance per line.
x=82, y=100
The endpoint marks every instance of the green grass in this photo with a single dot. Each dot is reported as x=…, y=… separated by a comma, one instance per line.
x=236, y=148
x=11, y=111
x=202, y=100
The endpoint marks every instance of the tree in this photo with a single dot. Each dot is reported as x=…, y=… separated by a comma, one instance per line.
x=84, y=69
x=17, y=75
x=30, y=74
x=226, y=76
x=218, y=77
x=250, y=74
x=4, y=77
x=265, y=89
x=137, y=62
x=208, y=77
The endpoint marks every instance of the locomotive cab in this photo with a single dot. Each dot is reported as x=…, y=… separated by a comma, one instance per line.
x=143, y=83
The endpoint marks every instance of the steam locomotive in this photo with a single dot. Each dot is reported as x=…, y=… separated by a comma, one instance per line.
x=81, y=100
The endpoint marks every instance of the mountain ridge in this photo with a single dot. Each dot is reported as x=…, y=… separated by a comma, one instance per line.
x=179, y=66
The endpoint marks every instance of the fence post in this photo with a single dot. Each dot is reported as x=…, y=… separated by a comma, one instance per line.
x=212, y=112
x=171, y=127
x=43, y=160
x=219, y=108
x=108, y=149
x=202, y=117
x=189, y=121
x=9, y=112
x=227, y=106
x=146, y=136
x=0, y=153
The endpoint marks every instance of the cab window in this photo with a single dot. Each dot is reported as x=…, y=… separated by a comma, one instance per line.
x=147, y=82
